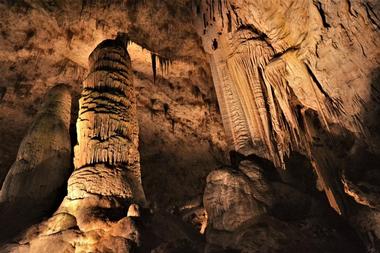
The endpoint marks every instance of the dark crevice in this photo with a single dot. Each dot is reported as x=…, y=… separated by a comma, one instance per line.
x=372, y=16
x=278, y=55
x=316, y=81
x=323, y=15
x=260, y=35
x=154, y=66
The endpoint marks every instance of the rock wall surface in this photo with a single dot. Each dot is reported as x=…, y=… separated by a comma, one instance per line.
x=261, y=213
x=296, y=82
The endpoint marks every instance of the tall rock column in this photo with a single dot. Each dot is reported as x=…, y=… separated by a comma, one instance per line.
x=101, y=210
x=37, y=179
x=107, y=161
x=43, y=161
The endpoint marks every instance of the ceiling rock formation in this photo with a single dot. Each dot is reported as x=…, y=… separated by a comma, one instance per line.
x=269, y=61
x=288, y=88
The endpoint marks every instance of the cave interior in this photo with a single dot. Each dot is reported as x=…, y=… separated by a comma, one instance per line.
x=175, y=126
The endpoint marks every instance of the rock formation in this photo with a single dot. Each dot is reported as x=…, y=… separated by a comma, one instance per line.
x=107, y=161
x=43, y=161
x=296, y=82
x=42, y=166
x=265, y=58
x=99, y=212
x=263, y=79
x=250, y=212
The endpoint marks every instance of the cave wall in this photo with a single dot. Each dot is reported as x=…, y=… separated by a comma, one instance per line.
x=284, y=77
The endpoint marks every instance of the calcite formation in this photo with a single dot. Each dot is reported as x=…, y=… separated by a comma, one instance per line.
x=297, y=87
x=230, y=200
x=263, y=59
x=105, y=191
x=107, y=161
x=263, y=79
x=42, y=165
x=38, y=177
x=250, y=211
x=260, y=74
x=266, y=63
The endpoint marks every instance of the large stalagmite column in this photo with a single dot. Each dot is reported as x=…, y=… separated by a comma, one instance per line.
x=43, y=161
x=36, y=180
x=101, y=208
x=107, y=161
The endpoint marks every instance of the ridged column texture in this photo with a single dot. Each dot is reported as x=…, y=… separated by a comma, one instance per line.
x=107, y=161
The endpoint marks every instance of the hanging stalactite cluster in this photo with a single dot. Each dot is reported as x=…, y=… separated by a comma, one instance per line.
x=164, y=64
x=265, y=85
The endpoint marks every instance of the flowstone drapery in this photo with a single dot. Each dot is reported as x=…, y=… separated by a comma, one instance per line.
x=263, y=81
x=265, y=57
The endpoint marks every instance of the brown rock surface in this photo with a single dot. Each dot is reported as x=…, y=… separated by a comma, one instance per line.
x=287, y=221
x=291, y=76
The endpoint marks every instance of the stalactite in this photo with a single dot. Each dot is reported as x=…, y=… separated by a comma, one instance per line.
x=164, y=64
x=230, y=106
x=154, y=65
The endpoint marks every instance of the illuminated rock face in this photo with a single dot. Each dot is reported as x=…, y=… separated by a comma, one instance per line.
x=251, y=211
x=261, y=70
x=269, y=64
x=231, y=200
x=107, y=161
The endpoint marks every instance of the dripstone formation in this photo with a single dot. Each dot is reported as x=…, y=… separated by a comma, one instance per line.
x=42, y=167
x=98, y=214
x=43, y=161
x=107, y=160
x=250, y=126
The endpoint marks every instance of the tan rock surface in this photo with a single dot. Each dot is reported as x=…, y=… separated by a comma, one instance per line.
x=290, y=76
